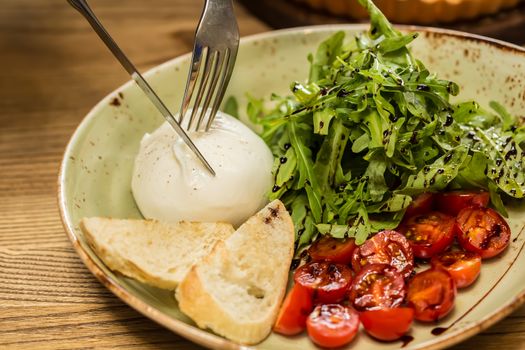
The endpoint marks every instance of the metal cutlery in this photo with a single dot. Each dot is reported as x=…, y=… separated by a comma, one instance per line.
x=83, y=7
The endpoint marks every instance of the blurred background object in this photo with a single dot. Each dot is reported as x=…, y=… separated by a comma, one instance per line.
x=415, y=11
x=500, y=19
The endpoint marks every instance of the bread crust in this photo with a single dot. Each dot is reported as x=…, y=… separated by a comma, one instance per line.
x=105, y=235
x=198, y=303
x=198, y=300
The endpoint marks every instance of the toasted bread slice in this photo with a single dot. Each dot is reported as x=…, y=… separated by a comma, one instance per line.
x=237, y=289
x=149, y=251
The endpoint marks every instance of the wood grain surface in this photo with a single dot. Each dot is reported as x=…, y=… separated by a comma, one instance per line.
x=54, y=70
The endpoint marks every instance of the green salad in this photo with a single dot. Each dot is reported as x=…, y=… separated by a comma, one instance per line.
x=372, y=128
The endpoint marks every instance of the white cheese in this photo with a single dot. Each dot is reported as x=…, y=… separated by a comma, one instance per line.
x=170, y=184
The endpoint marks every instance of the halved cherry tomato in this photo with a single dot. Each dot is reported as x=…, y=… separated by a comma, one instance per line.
x=453, y=202
x=431, y=293
x=332, y=249
x=332, y=325
x=386, y=247
x=387, y=324
x=377, y=286
x=483, y=231
x=422, y=204
x=328, y=282
x=295, y=309
x=464, y=267
x=429, y=234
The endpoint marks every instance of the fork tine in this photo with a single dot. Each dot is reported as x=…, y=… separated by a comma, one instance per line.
x=229, y=62
x=205, y=75
x=218, y=36
x=216, y=74
x=196, y=59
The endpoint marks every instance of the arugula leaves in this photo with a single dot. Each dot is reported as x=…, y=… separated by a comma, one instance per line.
x=371, y=128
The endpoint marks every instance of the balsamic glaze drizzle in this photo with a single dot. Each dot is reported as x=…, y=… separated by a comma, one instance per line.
x=441, y=330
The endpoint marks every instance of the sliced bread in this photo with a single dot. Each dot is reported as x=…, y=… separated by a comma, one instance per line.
x=149, y=251
x=237, y=289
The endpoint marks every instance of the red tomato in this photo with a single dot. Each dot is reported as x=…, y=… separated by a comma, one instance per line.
x=422, y=204
x=431, y=293
x=453, y=202
x=332, y=249
x=328, y=282
x=464, y=267
x=387, y=324
x=483, y=231
x=332, y=325
x=386, y=247
x=376, y=287
x=293, y=313
x=429, y=234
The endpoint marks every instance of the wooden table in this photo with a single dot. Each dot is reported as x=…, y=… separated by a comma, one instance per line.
x=54, y=70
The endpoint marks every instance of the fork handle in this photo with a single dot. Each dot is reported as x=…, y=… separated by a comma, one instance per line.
x=223, y=13
x=84, y=9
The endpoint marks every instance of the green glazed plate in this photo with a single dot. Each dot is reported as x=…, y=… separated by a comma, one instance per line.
x=96, y=170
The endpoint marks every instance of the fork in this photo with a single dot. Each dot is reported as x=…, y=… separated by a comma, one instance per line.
x=216, y=43
x=84, y=9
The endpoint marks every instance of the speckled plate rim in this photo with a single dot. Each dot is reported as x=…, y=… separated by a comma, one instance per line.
x=210, y=340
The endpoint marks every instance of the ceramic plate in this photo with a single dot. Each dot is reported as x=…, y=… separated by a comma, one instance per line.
x=96, y=169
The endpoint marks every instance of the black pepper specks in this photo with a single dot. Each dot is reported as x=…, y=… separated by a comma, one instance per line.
x=274, y=213
x=449, y=120
x=342, y=93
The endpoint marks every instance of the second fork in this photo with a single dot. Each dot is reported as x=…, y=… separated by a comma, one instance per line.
x=212, y=62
